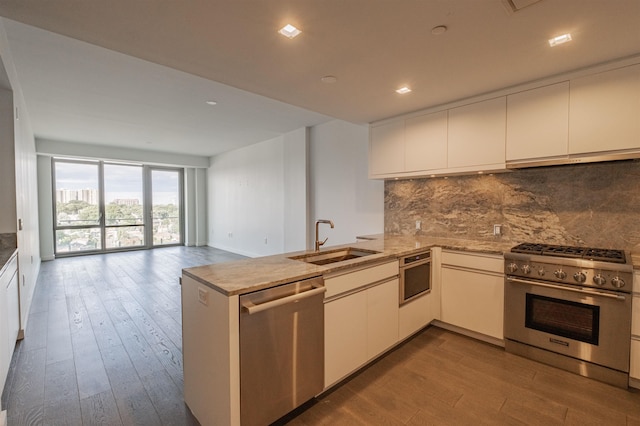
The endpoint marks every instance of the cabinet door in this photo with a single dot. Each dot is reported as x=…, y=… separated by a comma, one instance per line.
x=13, y=311
x=605, y=111
x=634, y=368
x=538, y=122
x=345, y=336
x=386, y=148
x=426, y=142
x=415, y=315
x=635, y=316
x=477, y=134
x=473, y=300
x=382, y=317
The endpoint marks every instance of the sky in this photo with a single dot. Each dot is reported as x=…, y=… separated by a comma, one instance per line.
x=121, y=181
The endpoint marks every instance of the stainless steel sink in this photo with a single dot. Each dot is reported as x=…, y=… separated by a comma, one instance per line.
x=333, y=256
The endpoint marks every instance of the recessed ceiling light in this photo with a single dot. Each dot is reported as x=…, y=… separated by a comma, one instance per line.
x=329, y=79
x=289, y=31
x=403, y=90
x=439, y=30
x=211, y=102
x=559, y=39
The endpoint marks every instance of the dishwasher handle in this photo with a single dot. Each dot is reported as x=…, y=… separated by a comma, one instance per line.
x=252, y=308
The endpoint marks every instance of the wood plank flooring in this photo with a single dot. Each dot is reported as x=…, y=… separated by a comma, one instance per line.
x=103, y=343
x=103, y=346
x=442, y=378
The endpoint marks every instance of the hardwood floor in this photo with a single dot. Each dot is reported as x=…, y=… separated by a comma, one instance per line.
x=442, y=378
x=104, y=342
x=103, y=346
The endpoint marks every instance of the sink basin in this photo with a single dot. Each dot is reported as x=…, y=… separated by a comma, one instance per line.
x=333, y=256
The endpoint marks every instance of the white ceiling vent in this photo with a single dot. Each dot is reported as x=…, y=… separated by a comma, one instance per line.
x=513, y=6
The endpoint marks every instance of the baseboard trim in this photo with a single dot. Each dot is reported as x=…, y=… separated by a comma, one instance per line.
x=469, y=333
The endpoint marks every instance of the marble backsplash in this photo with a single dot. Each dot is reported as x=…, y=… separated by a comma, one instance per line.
x=8, y=240
x=595, y=204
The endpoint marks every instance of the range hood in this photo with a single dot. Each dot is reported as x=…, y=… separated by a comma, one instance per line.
x=574, y=159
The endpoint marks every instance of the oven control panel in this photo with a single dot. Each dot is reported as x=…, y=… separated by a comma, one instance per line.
x=580, y=272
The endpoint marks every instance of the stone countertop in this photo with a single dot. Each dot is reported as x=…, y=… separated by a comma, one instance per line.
x=5, y=256
x=248, y=275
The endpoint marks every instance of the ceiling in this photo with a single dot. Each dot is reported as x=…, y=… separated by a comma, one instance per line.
x=138, y=73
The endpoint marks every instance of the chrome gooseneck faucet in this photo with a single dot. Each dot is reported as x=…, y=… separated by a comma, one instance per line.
x=318, y=242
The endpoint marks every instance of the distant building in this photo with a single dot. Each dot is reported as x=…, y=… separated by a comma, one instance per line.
x=126, y=201
x=87, y=195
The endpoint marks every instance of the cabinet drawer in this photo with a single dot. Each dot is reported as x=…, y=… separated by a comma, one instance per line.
x=348, y=281
x=634, y=367
x=481, y=261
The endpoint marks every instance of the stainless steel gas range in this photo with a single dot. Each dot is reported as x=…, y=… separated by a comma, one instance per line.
x=570, y=307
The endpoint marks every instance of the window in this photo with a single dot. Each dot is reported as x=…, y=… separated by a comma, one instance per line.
x=104, y=206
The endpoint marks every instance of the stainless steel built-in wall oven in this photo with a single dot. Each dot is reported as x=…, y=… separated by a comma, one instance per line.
x=570, y=307
x=415, y=276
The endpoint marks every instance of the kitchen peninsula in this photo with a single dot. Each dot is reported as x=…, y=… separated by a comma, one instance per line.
x=211, y=311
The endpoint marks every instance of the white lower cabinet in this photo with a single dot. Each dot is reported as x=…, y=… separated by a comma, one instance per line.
x=382, y=317
x=473, y=298
x=9, y=316
x=360, y=322
x=415, y=315
x=634, y=365
x=345, y=336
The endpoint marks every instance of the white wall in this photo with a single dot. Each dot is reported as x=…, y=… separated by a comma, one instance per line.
x=195, y=200
x=45, y=207
x=296, y=186
x=278, y=188
x=246, y=199
x=339, y=187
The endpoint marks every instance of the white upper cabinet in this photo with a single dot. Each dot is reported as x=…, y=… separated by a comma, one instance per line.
x=538, y=123
x=426, y=142
x=605, y=111
x=476, y=136
x=586, y=116
x=386, y=148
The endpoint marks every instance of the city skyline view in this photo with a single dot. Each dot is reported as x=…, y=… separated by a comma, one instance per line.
x=119, y=181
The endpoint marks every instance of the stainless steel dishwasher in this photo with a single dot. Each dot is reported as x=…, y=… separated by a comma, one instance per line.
x=281, y=349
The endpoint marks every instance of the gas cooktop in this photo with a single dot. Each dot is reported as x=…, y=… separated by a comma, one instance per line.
x=587, y=253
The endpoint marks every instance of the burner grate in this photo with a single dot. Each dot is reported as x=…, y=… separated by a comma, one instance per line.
x=596, y=254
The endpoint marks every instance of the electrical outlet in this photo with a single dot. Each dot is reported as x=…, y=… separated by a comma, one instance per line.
x=497, y=230
x=418, y=224
x=203, y=296
x=265, y=240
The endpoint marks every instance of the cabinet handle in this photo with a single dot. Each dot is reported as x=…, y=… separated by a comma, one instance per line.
x=359, y=289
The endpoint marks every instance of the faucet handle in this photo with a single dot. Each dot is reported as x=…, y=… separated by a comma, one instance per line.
x=322, y=243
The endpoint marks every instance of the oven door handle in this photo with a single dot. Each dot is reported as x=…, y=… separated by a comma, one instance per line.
x=575, y=290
